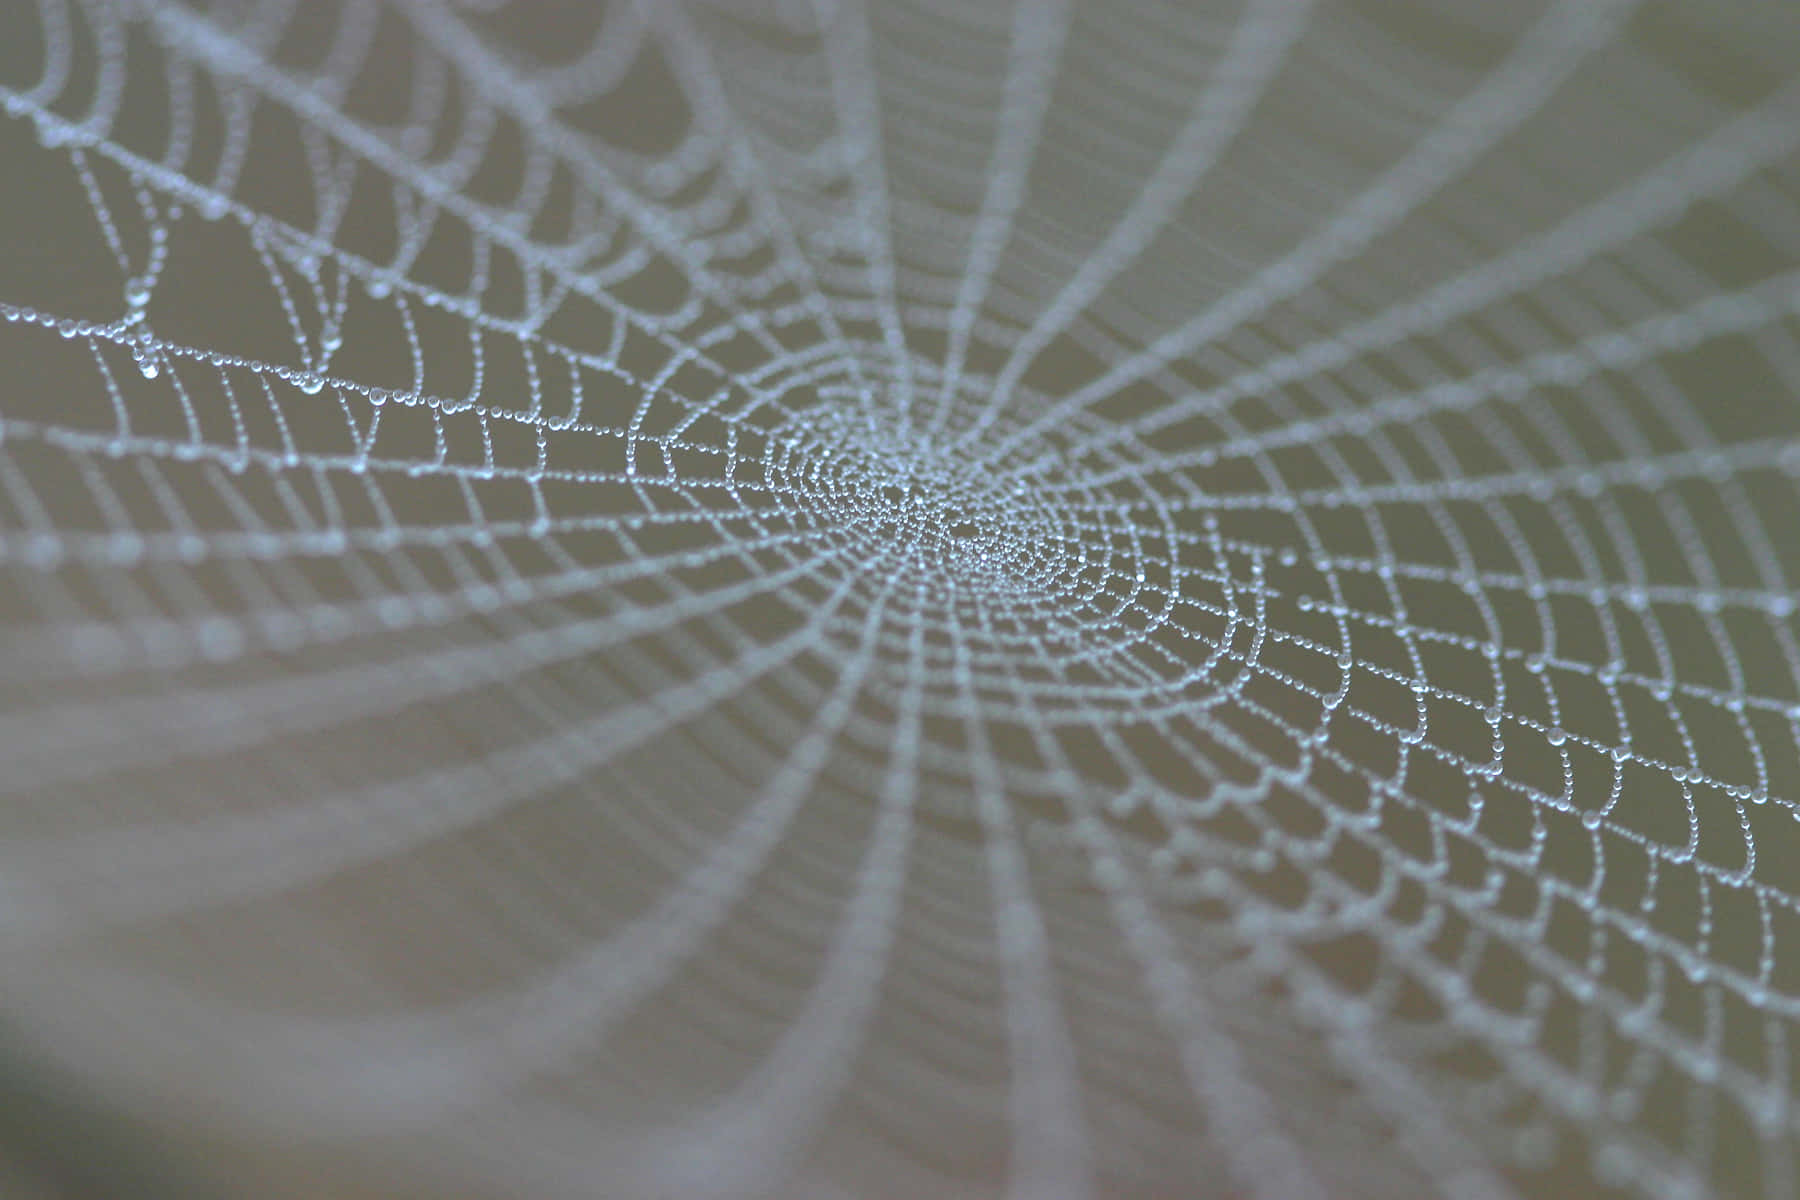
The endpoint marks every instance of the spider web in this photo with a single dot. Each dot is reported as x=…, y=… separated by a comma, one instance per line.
x=922, y=599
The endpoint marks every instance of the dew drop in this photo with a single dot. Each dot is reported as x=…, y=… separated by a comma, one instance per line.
x=393, y=610
x=51, y=132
